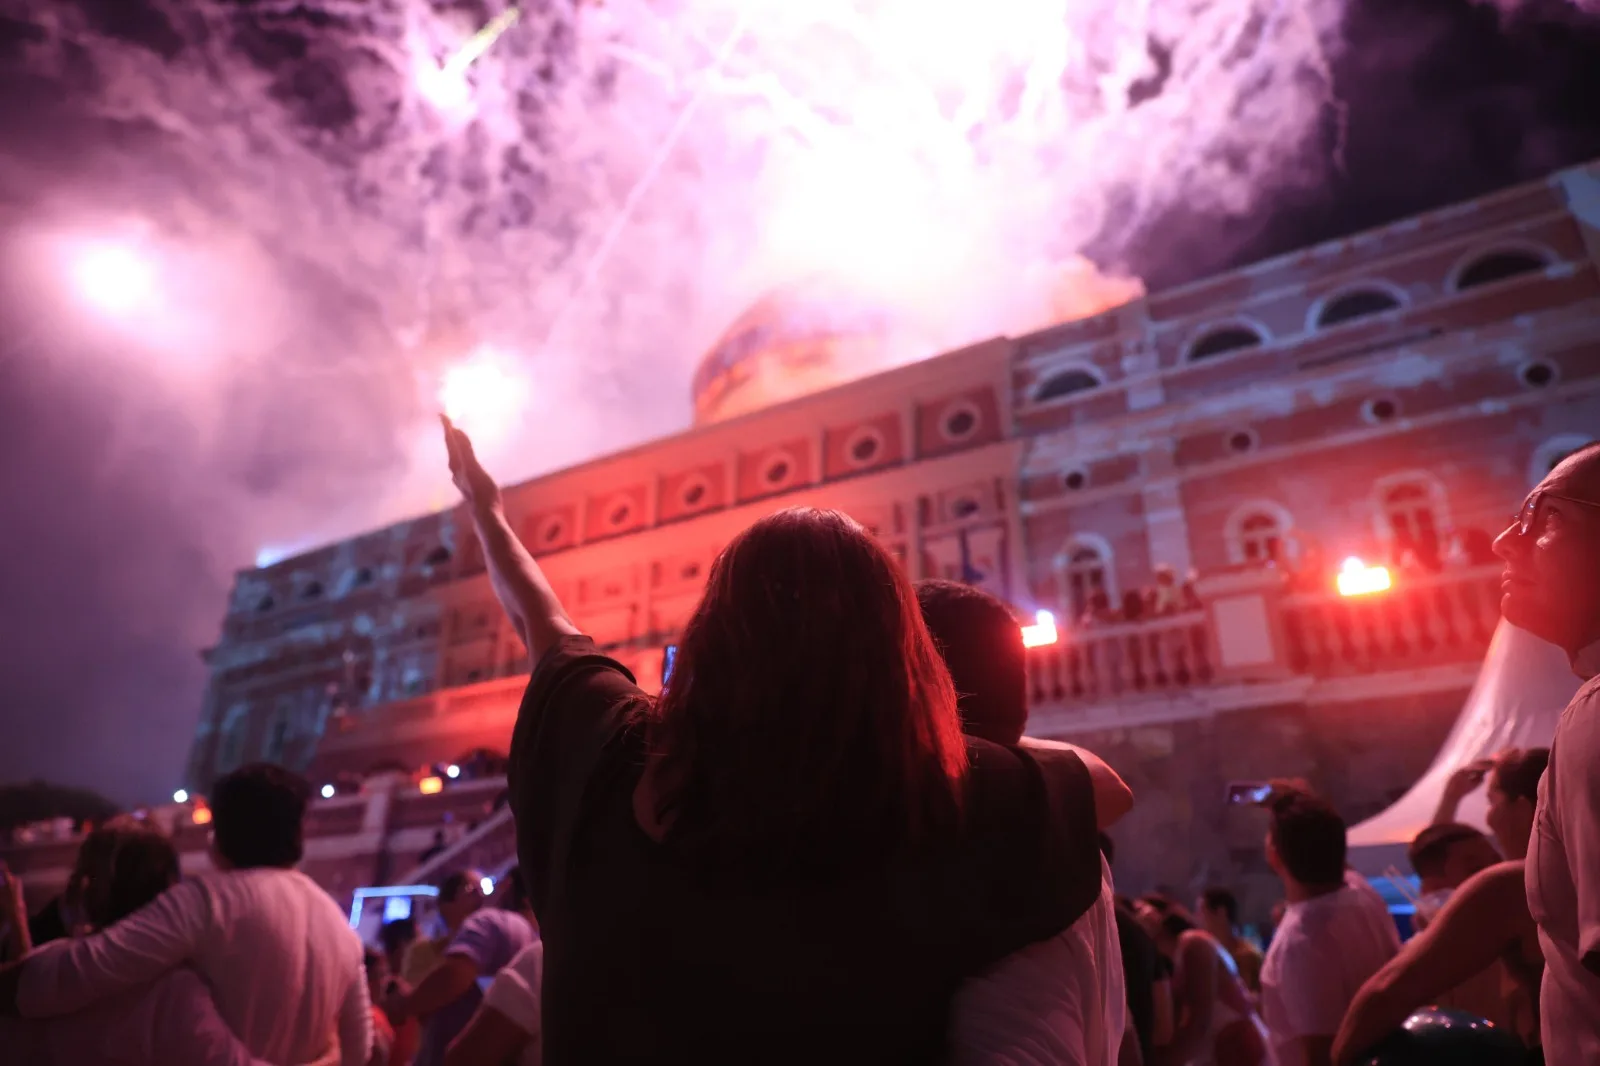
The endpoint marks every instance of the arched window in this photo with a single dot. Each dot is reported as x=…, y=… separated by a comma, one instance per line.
x=1086, y=570
x=1065, y=383
x=1257, y=533
x=1547, y=456
x=1412, y=510
x=1498, y=266
x=1359, y=303
x=1223, y=340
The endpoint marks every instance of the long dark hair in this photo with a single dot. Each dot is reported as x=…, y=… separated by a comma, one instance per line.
x=810, y=722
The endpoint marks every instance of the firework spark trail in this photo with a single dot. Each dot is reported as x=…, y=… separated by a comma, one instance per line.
x=636, y=194
x=642, y=172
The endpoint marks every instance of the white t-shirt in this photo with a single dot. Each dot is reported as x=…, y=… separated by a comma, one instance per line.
x=1320, y=957
x=1059, y=1002
x=515, y=993
x=282, y=963
x=1563, y=876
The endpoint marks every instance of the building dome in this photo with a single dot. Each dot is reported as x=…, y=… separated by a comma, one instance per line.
x=793, y=341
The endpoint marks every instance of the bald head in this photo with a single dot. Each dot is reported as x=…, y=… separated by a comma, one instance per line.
x=1552, y=575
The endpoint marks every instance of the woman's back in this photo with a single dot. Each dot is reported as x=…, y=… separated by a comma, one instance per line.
x=651, y=959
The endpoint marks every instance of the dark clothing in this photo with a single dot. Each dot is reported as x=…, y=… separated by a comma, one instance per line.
x=646, y=961
x=48, y=924
x=1140, y=967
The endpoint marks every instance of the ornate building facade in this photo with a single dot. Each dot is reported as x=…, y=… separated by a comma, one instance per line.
x=1388, y=396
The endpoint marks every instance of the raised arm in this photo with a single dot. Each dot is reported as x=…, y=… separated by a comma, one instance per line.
x=1460, y=784
x=1112, y=796
x=131, y=953
x=518, y=582
x=1484, y=916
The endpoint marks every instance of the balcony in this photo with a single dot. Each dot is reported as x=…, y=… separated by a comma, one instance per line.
x=1258, y=641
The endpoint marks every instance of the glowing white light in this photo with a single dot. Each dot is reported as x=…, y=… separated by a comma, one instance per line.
x=487, y=884
x=1042, y=632
x=328, y=791
x=445, y=87
x=180, y=796
x=113, y=277
x=452, y=771
x=482, y=394
x=1358, y=579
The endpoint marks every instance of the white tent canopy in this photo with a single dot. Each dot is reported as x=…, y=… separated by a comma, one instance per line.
x=1521, y=690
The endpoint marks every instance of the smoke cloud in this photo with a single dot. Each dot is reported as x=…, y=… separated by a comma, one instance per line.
x=336, y=211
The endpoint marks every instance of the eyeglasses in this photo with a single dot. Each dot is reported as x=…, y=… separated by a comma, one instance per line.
x=1527, y=519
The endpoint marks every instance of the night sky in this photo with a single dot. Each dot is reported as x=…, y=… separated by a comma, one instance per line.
x=137, y=483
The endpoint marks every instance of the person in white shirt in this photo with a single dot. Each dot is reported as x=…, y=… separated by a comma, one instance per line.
x=1552, y=589
x=1332, y=937
x=1060, y=1001
x=282, y=962
x=506, y=1030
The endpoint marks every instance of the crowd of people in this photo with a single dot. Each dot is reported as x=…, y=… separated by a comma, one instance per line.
x=828, y=840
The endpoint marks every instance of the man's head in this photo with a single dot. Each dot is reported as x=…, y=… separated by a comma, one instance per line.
x=1219, y=912
x=1306, y=840
x=1552, y=554
x=1512, y=795
x=1447, y=854
x=257, y=816
x=981, y=641
x=460, y=893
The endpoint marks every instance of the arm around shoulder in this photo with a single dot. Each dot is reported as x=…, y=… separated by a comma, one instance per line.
x=1112, y=797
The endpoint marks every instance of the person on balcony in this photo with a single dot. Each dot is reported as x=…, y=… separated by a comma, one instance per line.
x=791, y=855
x=1060, y=1002
x=1552, y=589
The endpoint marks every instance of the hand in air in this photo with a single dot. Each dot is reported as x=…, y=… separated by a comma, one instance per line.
x=476, y=486
x=1467, y=778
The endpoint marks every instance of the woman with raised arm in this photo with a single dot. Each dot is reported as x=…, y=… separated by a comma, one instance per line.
x=791, y=855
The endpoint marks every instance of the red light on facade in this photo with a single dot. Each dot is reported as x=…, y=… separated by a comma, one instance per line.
x=1358, y=579
x=1042, y=632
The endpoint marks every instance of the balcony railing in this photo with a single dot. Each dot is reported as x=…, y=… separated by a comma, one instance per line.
x=1098, y=663
x=1423, y=621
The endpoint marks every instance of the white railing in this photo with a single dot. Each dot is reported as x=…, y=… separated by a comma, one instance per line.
x=1093, y=663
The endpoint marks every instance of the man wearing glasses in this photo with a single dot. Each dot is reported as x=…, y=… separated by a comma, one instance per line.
x=1552, y=589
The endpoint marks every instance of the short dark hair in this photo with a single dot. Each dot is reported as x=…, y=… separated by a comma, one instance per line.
x=1430, y=849
x=1222, y=899
x=981, y=642
x=258, y=815
x=453, y=883
x=1517, y=771
x=398, y=933
x=1309, y=836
